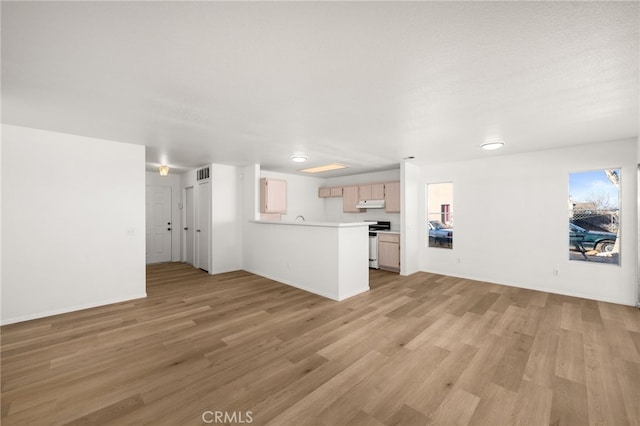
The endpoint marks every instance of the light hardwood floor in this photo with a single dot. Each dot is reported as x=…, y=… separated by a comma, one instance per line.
x=425, y=349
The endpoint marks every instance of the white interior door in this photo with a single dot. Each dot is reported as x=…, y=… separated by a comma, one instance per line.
x=158, y=224
x=189, y=228
x=203, y=228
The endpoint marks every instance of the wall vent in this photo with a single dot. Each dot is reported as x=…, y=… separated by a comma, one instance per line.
x=203, y=173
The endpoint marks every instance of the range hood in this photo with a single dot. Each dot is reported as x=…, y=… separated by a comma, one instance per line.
x=371, y=204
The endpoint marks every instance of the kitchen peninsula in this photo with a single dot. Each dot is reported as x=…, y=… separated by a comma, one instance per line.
x=325, y=258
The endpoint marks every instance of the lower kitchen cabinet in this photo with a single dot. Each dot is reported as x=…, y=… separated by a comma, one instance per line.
x=389, y=251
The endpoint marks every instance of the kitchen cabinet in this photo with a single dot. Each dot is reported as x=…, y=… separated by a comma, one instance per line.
x=372, y=191
x=350, y=199
x=392, y=197
x=327, y=192
x=324, y=192
x=273, y=195
x=389, y=251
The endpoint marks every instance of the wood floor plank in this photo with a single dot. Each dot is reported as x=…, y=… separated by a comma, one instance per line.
x=330, y=391
x=432, y=392
x=569, y=405
x=417, y=350
x=533, y=405
x=486, y=413
x=604, y=395
x=456, y=409
x=570, y=357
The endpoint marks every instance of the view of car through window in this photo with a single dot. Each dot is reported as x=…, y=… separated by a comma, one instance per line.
x=594, y=216
x=440, y=235
x=440, y=215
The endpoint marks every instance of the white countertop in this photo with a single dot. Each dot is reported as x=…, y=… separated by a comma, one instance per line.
x=310, y=223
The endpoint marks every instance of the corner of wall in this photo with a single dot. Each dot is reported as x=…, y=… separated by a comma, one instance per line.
x=409, y=218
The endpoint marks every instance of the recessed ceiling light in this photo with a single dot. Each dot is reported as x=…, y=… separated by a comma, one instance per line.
x=325, y=168
x=298, y=158
x=491, y=145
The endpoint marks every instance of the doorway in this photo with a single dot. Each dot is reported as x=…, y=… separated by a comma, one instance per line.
x=189, y=227
x=158, y=224
x=203, y=229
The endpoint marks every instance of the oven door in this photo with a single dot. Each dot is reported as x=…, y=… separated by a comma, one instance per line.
x=373, y=250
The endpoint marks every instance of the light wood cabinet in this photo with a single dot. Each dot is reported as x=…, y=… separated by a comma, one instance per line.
x=350, y=199
x=392, y=197
x=377, y=191
x=273, y=196
x=330, y=191
x=364, y=192
x=389, y=251
x=371, y=191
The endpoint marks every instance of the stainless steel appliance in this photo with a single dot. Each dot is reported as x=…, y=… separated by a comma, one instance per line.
x=374, y=227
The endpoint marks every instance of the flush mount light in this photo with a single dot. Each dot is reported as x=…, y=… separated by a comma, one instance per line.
x=491, y=145
x=298, y=158
x=326, y=168
x=164, y=170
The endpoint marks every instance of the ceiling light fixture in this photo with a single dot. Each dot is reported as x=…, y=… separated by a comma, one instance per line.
x=491, y=145
x=298, y=158
x=326, y=168
x=164, y=170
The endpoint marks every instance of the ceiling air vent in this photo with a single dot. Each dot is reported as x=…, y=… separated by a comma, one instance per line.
x=203, y=174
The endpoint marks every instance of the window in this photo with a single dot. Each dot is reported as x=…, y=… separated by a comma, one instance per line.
x=594, y=216
x=440, y=215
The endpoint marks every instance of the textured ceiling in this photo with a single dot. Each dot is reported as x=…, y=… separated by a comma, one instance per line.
x=361, y=83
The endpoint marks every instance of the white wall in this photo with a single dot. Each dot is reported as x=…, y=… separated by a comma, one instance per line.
x=410, y=220
x=302, y=196
x=226, y=228
x=172, y=181
x=1, y=132
x=333, y=206
x=73, y=221
x=511, y=222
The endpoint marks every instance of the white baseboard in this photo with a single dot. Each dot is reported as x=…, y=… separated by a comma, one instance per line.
x=70, y=309
x=353, y=293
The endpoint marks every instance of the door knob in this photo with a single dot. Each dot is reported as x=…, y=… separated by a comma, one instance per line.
x=168, y=229
x=198, y=230
x=186, y=228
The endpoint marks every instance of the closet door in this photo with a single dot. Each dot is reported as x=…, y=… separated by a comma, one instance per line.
x=190, y=227
x=203, y=229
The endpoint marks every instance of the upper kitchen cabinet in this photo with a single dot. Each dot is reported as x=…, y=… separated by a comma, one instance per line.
x=350, y=198
x=392, y=197
x=273, y=196
x=336, y=191
x=327, y=192
x=372, y=191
